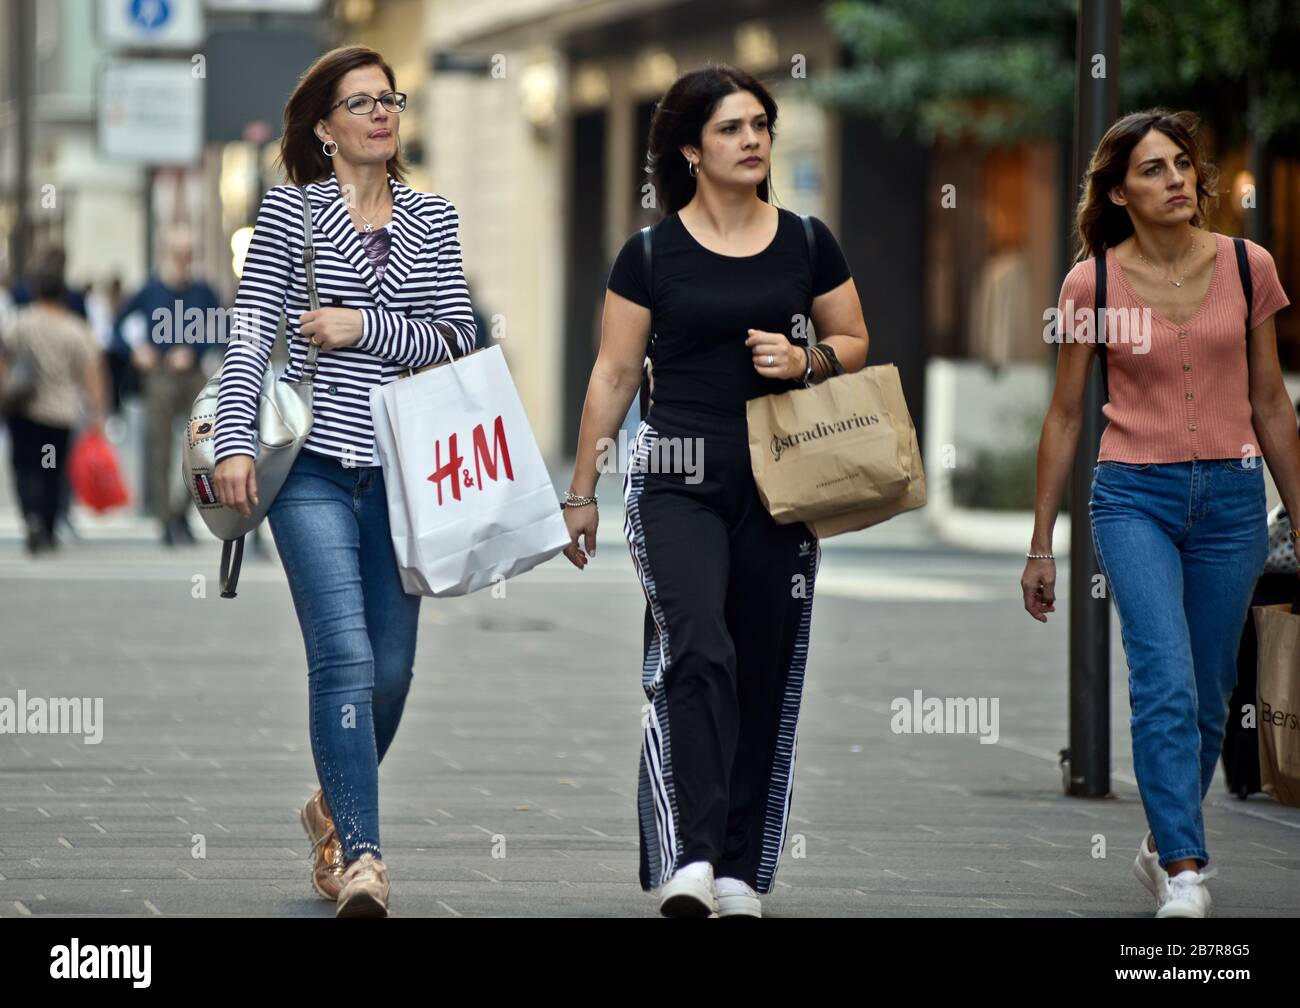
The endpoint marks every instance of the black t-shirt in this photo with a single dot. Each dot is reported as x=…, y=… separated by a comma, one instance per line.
x=703, y=304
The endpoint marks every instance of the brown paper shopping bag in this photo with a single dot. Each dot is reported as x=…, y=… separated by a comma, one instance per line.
x=1277, y=710
x=834, y=447
x=840, y=455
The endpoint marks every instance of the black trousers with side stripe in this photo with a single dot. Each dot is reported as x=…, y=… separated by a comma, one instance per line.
x=728, y=613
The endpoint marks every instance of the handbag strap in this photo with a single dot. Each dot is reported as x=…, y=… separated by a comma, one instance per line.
x=810, y=236
x=309, y=265
x=1247, y=288
x=1099, y=320
x=232, y=550
x=232, y=557
x=647, y=255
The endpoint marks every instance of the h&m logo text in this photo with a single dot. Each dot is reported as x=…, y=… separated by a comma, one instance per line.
x=484, y=459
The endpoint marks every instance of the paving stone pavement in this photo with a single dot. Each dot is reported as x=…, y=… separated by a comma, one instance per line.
x=510, y=787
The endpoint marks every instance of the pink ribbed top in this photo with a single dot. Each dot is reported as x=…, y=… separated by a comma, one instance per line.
x=1187, y=397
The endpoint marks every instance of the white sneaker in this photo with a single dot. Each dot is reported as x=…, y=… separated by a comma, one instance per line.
x=1148, y=871
x=1186, y=895
x=689, y=893
x=736, y=899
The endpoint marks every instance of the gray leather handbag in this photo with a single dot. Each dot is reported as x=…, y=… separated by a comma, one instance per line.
x=284, y=419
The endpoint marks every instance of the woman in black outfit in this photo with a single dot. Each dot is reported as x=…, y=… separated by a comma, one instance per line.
x=731, y=284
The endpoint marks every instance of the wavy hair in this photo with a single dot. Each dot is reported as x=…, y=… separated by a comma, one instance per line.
x=1099, y=223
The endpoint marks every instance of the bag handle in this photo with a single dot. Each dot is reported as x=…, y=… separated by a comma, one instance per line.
x=451, y=357
x=232, y=557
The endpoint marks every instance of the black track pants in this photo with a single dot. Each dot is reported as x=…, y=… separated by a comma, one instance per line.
x=728, y=612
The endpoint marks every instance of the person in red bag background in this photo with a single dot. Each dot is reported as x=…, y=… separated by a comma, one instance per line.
x=393, y=296
x=728, y=591
x=69, y=376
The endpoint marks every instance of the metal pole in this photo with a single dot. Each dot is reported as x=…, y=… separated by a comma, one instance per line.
x=1086, y=764
x=21, y=39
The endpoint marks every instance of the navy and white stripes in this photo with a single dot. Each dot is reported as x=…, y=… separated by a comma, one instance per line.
x=776, y=818
x=416, y=315
x=656, y=793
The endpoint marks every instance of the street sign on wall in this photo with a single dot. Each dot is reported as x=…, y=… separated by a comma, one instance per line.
x=151, y=111
x=151, y=24
x=267, y=6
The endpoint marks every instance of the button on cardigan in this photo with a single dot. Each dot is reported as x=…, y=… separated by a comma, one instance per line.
x=415, y=315
x=1179, y=392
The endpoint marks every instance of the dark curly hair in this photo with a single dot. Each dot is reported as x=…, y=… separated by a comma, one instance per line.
x=679, y=120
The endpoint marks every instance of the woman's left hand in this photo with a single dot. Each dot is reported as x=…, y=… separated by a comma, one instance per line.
x=331, y=328
x=788, y=359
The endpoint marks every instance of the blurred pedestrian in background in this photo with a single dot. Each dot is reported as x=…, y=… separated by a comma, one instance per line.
x=103, y=303
x=57, y=350
x=168, y=360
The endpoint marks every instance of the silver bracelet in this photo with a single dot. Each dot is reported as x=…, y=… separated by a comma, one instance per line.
x=1040, y=556
x=808, y=369
x=571, y=499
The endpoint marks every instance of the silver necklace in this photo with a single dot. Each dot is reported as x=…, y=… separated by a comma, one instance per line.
x=1179, y=281
x=369, y=227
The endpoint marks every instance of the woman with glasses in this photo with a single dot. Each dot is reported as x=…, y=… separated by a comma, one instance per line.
x=393, y=297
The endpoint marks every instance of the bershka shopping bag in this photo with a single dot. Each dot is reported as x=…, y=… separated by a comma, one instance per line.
x=836, y=450
x=470, y=501
x=1277, y=710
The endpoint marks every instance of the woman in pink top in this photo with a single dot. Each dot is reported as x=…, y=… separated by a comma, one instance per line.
x=1178, y=507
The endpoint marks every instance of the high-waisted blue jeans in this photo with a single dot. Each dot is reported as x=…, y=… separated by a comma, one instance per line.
x=1181, y=545
x=330, y=524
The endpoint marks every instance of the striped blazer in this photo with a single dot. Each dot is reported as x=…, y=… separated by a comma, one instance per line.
x=423, y=297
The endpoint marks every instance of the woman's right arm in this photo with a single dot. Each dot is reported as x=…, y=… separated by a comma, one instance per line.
x=615, y=379
x=263, y=289
x=1057, y=444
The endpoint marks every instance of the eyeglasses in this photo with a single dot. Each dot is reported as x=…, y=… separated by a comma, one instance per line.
x=361, y=104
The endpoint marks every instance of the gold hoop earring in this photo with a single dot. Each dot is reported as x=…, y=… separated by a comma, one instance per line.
x=326, y=148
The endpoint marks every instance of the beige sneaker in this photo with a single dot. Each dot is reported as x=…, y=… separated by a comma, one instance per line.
x=365, y=889
x=326, y=851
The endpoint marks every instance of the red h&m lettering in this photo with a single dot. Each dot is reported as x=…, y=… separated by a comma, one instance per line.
x=481, y=457
x=484, y=458
x=450, y=470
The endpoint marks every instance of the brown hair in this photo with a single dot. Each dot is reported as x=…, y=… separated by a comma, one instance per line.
x=1099, y=223
x=300, y=150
